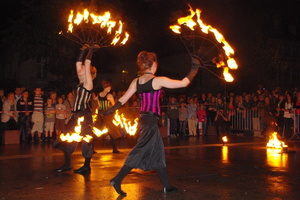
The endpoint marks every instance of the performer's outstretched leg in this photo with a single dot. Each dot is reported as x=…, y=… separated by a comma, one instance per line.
x=162, y=173
x=116, y=181
x=67, y=165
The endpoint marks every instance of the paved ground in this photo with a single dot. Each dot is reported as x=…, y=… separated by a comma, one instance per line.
x=201, y=168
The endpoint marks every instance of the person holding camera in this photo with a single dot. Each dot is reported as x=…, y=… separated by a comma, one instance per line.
x=221, y=121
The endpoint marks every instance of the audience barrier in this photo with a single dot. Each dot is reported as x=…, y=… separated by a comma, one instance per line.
x=251, y=121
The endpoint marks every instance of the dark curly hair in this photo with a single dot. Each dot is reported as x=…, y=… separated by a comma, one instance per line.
x=146, y=59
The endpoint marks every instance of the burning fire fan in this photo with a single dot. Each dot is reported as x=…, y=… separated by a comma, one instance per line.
x=205, y=46
x=89, y=28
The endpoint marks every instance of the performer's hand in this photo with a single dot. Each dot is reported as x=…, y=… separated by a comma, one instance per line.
x=195, y=61
x=100, y=113
x=113, y=109
x=107, y=112
x=95, y=47
x=85, y=46
x=84, y=49
x=194, y=69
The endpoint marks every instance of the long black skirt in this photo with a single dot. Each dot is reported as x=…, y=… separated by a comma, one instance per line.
x=149, y=152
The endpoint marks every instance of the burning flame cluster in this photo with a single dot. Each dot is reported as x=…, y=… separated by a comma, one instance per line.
x=189, y=22
x=103, y=21
x=76, y=137
x=118, y=121
x=275, y=143
x=125, y=123
x=224, y=139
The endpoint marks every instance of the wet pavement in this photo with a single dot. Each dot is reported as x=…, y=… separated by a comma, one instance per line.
x=201, y=168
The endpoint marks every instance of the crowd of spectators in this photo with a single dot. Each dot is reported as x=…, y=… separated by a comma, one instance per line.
x=41, y=117
x=276, y=110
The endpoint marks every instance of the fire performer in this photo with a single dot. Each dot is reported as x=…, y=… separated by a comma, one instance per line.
x=106, y=100
x=149, y=153
x=86, y=73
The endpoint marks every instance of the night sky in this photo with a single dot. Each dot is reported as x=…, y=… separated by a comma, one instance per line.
x=240, y=21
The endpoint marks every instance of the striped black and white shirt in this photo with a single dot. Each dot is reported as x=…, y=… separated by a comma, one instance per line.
x=82, y=97
x=38, y=104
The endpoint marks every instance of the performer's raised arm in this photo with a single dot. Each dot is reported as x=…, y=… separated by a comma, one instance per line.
x=86, y=72
x=171, y=83
x=80, y=68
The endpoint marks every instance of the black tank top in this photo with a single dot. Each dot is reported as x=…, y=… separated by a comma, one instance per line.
x=104, y=104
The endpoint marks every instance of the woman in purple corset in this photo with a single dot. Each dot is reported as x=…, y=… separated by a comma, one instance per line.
x=148, y=153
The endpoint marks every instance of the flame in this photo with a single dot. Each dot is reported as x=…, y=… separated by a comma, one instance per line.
x=87, y=138
x=175, y=28
x=220, y=64
x=94, y=117
x=189, y=22
x=231, y=63
x=104, y=21
x=227, y=75
x=125, y=39
x=76, y=137
x=118, y=33
x=98, y=132
x=225, y=139
x=275, y=143
x=73, y=137
x=123, y=122
x=70, y=29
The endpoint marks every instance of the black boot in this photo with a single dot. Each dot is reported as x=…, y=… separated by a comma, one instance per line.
x=168, y=188
x=115, y=150
x=85, y=169
x=67, y=165
x=116, y=181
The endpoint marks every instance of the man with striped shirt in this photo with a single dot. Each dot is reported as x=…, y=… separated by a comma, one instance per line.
x=37, y=116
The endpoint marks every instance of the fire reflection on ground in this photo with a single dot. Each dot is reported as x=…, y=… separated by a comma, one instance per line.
x=277, y=159
x=277, y=185
x=225, y=155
